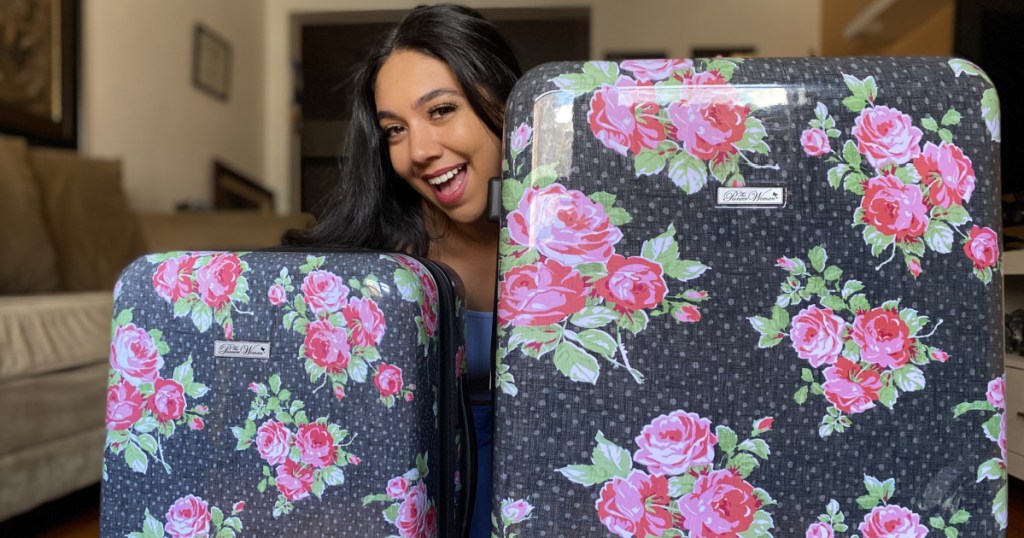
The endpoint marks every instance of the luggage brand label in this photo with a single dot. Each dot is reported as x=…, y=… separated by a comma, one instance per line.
x=241, y=350
x=751, y=196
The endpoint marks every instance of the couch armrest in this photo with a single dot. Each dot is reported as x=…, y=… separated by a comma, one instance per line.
x=217, y=230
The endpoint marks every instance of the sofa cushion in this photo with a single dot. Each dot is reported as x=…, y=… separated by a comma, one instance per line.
x=29, y=262
x=93, y=228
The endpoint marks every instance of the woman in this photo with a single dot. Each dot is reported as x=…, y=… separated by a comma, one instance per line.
x=425, y=138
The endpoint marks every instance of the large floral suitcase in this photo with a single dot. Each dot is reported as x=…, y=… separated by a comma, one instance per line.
x=751, y=298
x=285, y=393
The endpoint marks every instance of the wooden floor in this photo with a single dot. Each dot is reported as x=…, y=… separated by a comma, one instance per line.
x=78, y=516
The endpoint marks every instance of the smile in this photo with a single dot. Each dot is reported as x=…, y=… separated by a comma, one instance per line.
x=443, y=178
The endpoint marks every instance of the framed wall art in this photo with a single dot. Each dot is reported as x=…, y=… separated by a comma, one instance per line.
x=211, y=62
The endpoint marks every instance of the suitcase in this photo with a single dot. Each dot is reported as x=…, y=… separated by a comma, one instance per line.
x=285, y=393
x=751, y=297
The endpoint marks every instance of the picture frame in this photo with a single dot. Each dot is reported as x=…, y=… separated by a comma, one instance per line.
x=234, y=191
x=39, y=92
x=211, y=62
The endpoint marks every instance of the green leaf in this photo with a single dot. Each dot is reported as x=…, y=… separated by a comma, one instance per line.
x=333, y=476
x=593, y=317
x=585, y=475
x=939, y=236
x=833, y=273
x=867, y=502
x=687, y=172
x=855, y=183
x=763, y=325
x=649, y=162
x=993, y=426
x=936, y=522
x=806, y=375
x=961, y=66
x=851, y=155
x=576, y=364
x=999, y=505
x=146, y=424
x=726, y=439
x=535, y=341
x=908, y=378
x=951, y=532
x=612, y=458
x=684, y=270
x=836, y=175
x=153, y=527
x=599, y=342
x=760, y=527
x=663, y=248
x=946, y=135
x=990, y=113
x=512, y=191
x=217, y=516
x=275, y=383
x=859, y=303
x=681, y=485
x=961, y=516
x=930, y=124
x=136, y=458
x=955, y=215
x=634, y=322
x=769, y=340
x=801, y=395
x=541, y=176
x=148, y=443
x=744, y=463
x=851, y=287
x=757, y=447
x=887, y=396
x=818, y=257
x=854, y=104
x=722, y=170
x=618, y=216
x=833, y=303
x=182, y=307
x=753, y=137
x=877, y=240
x=952, y=117
x=202, y=317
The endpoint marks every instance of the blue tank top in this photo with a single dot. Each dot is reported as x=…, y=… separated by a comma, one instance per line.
x=478, y=354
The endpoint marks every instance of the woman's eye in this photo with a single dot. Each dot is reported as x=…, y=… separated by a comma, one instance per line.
x=442, y=110
x=392, y=131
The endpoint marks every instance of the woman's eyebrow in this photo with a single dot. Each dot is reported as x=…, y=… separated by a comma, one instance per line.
x=424, y=99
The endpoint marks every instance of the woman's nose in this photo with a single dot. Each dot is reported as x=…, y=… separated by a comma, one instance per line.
x=424, y=145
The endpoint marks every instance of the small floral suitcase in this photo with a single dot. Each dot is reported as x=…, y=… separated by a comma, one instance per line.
x=282, y=393
x=751, y=297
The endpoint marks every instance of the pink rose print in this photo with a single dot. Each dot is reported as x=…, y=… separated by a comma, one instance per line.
x=708, y=126
x=636, y=505
x=196, y=424
x=939, y=355
x=167, y=401
x=354, y=460
x=820, y=530
x=238, y=507
x=623, y=120
x=124, y=406
x=324, y=292
x=687, y=314
x=721, y=504
x=655, y=70
x=273, y=440
x=294, y=480
x=672, y=444
x=886, y=136
x=316, y=445
x=815, y=142
x=982, y=247
x=948, y=174
x=996, y=393
x=540, y=294
x=764, y=424
x=173, y=277
x=216, y=280
x=563, y=225
x=398, y=487
x=515, y=511
x=521, y=137
x=366, y=320
x=786, y=263
x=412, y=513
x=883, y=337
x=388, y=380
x=633, y=283
x=894, y=208
x=892, y=520
x=817, y=335
x=706, y=78
x=276, y=295
x=914, y=265
x=188, y=517
x=327, y=346
x=133, y=354
x=851, y=387
x=339, y=392
x=430, y=522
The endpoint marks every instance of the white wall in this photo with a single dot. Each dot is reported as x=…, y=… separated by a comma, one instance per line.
x=138, y=102
x=776, y=28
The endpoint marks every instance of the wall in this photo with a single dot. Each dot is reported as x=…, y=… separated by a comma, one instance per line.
x=777, y=28
x=908, y=27
x=138, y=102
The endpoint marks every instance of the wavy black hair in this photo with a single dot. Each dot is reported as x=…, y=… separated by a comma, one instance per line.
x=372, y=206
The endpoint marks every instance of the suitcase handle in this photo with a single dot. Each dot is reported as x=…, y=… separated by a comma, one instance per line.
x=494, y=199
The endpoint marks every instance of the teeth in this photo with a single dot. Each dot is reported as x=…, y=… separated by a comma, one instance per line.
x=444, y=177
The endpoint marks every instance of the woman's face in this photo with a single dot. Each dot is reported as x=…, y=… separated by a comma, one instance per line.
x=436, y=141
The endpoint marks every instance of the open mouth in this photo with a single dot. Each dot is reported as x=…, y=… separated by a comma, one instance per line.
x=450, y=185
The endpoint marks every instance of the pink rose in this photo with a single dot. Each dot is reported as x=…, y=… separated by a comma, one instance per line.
x=982, y=247
x=397, y=488
x=516, y=511
x=354, y=460
x=709, y=124
x=636, y=505
x=540, y=294
x=694, y=295
x=996, y=392
x=764, y=424
x=339, y=392
x=672, y=444
x=124, y=406
x=939, y=355
x=324, y=292
x=632, y=283
x=820, y=530
x=883, y=337
x=521, y=137
x=894, y=208
x=273, y=441
x=388, y=380
x=851, y=387
x=167, y=401
x=257, y=388
x=790, y=264
x=133, y=354
x=430, y=522
x=217, y=280
x=892, y=521
x=365, y=320
x=886, y=136
x=411, y=521
x=276, y=295
x=815, y=142
x=947, y=172
x=1002, y=436
x=316, y=445
x=238, y=507
x=188, y=517
x=173, y=277
x=294, y=480
x=655, y=70
x=202, y=409
x=817, y=335
x=409, y=397
x=196, y=424
x=563, y=225
x=687, y=314
x=229, y=330
x=914, y=265
x=429, y=306
x=721, y=504
x=625, y=120
x=327, y=346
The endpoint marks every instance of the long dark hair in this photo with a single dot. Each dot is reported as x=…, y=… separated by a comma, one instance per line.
x=372, y=206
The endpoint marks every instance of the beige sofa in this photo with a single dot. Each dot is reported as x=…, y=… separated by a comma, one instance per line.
x=65, y=232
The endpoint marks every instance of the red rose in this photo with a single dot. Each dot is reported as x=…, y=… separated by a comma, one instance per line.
x=388, y=380
x=636, y=505
x=217, y=279
x=366, y=321
x=563, y=225
x=687, y=314
x=947, y=172
x=327, y=346
x=623, y=120
x=817, y=335
x=764, y=424
x=540, y=294
x=632, y=283
x=124, y=406
x=196, y=424
x=188, y=517
x=894, y=208
x=883, y=337
x=273, y=441
x=708, y=123
x=316, y=445
x=294, y=480
x=324, y=292
x=173, y=278
x=721, y=504
x=133, y=354
x=891, y=521
x=886, y=136
x=851, y=387
x=412, y=513
x=167, y=401
x=815, y=142
x=982, y=247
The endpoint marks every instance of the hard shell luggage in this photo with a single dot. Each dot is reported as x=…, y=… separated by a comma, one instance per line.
x=283, y=393
x=751, y=297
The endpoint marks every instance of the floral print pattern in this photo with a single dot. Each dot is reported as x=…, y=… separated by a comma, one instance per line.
x=512, y=512
x=684, y=490
x=409, y=508
x=302, y=456
x=989, y=98
x=205, y=286
x=415, y=284
x=913, y=196
x=883, y=519
x=192, y=517
x=995, y=431
x=143, y=408
x=869, y=354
